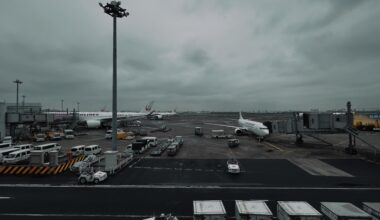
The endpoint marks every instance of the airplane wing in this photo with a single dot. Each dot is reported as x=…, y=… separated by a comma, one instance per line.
x=227, y=126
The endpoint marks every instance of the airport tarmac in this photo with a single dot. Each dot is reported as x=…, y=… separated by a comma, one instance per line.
x=273, y=170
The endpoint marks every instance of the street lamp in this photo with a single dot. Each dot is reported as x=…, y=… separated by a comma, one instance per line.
x=23, y=102
x=114, y=10
x=18, y=82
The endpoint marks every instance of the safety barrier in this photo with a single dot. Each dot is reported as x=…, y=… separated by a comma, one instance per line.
x=38, y=170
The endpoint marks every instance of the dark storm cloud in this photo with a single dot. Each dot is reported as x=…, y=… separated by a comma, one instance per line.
x=194, y=55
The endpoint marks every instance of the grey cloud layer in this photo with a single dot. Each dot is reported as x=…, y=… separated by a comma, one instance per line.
x=194, y=55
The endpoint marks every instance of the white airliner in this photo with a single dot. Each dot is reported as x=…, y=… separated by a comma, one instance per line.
x=160, y=115
x=248, y=126
x=97, y=119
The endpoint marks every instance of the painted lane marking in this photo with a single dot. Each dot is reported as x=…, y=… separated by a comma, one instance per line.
x=83, y=215
x=272, y=145
x=317, y=167
x=257, y=187
x=5, y=197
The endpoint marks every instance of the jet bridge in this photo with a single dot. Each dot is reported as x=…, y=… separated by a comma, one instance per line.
x=314, y=123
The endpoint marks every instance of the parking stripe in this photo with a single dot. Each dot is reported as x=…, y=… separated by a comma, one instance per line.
x=51, y=170
x=66, y=166
x=1, y=169
x=44, y=170
x=19, y=170
x=57, y=169
x=61, y=168
x=26, y=170
x=14, y=170
x=32, y=170
x=38, y=170
x=72, y=163
x=7, y=170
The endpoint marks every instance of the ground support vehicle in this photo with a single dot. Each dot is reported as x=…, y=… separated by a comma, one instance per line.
x=233, y=166
x=40, y=137
x=139, y=147
x=69, y=134
x=233, y=142
x=220, y=134
x=198, y=131
x=84, y=164
x=92, y=177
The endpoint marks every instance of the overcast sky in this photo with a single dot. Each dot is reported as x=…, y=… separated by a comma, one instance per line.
x=193, y=55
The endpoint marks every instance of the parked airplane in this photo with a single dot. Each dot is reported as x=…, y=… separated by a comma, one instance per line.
x=97, y=119
x=160, y=115
x=248, y=126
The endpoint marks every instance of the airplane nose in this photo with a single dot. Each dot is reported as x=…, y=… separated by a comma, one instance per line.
x=266, y=132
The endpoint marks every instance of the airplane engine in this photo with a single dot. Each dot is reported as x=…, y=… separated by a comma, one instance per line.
x=238, y=132
x=93, y=123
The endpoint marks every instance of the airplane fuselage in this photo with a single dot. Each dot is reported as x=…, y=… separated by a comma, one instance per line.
x=254, y=127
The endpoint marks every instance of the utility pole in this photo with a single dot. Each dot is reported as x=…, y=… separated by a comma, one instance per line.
x=114, y=10
x=18, y=82
x=78, y=107
x=62, y=105
x=23, y=102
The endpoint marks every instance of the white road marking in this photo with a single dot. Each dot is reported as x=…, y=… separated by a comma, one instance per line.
x=257, y=187
x=81, y=215
x=5, y=197
x=316, y=167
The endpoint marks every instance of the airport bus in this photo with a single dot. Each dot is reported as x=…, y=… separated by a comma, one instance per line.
x=17, y=156
x=23, y=146
x=47, y=147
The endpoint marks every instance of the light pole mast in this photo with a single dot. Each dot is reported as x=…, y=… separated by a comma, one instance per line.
x=23, y=102
x=114, y=10
x=18, y=82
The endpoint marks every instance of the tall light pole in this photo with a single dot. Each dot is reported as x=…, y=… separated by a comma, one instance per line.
x=78, y=106
x=62, y=105
x=23, y=102
x=18, y=82
x=114, y=10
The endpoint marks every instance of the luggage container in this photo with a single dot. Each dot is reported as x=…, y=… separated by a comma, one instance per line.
x=343, y=211
x=252, y=210
x=297, y=210
x=198, y=131
x=372, y=208
x=209, y=209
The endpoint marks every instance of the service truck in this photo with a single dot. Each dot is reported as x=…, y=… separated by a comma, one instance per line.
x=139, y=147
x=69, y=134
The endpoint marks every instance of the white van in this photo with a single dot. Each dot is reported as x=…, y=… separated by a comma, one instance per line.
x=4, y=146
x=47, y=147
x=92, y=149
x=5, y=152
x=17, y=156
x=77, y=150
x=23, y=146
x=151, y=141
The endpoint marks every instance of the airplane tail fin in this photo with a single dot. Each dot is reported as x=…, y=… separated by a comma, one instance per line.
x=240, y=116
x=148, y=107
